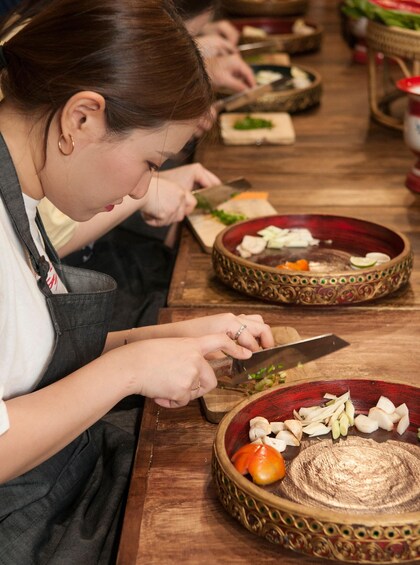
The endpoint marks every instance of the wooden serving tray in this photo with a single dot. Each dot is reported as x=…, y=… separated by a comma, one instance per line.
x=220, y=401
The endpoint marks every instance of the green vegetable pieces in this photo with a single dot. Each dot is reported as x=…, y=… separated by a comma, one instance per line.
x=253, y=123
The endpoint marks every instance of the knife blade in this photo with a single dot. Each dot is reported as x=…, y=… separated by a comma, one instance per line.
x=242, y=98
x=212, y=196
x=278, y=358
x=260, y=46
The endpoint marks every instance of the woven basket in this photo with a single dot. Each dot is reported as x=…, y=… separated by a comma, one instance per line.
x=394, y=41
x=397, y=45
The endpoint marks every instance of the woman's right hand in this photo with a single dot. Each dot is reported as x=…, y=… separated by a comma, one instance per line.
x=173, y=371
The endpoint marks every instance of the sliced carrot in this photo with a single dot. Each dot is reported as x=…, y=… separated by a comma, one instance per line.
x=299, y=265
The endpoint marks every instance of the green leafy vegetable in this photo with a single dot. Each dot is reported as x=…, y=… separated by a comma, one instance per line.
x=364, y=8
x=227, y=218
x=253, y=123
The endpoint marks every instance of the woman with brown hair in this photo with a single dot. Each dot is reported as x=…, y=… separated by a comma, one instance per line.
x=97, y=94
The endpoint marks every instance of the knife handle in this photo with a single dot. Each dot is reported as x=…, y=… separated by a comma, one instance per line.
x=221, y=367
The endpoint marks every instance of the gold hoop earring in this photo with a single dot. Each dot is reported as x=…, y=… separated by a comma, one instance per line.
x=60, y=146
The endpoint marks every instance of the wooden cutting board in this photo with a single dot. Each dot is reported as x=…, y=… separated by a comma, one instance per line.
x=282, y=131
x=220, y=401
x=206, y=228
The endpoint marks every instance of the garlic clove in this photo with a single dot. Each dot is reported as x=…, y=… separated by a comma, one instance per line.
x=295, y=427
x=278, y=444
x=258, y=420
x=288, y=438
x=386, y=405
x=259, y=430
x=365, y=424
x=383, y=419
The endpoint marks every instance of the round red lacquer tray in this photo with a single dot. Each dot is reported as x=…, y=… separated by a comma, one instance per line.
x=340, y=238
x=355, y=499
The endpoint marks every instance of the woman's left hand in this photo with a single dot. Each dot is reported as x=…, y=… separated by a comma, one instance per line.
x=169, y=197
x=248, y=330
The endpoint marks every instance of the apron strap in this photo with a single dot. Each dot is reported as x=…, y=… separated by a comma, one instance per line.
x=11, y=194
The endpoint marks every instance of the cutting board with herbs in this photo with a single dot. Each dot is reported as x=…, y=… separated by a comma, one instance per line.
x=207, y=224
x=219, y=401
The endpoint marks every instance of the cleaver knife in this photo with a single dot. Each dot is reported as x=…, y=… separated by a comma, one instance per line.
x=245, y=97
x=278, y=358
x=212, y=196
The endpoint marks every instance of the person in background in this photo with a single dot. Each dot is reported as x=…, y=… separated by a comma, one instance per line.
x=81, y=124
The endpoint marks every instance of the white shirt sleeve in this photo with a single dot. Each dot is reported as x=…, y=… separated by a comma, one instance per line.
x=4, y=416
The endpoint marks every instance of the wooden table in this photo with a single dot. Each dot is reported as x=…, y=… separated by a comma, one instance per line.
x=341, y=164
x=173, y=514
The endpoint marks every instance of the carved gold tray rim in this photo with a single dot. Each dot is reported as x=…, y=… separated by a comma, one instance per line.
x=290, y=506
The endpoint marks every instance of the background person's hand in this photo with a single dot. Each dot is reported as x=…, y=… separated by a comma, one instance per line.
x=230, y=72
x=169, y=197
x=223, y=28
x=214, y=46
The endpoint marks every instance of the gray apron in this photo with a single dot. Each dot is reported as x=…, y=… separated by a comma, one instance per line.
x=66, y=510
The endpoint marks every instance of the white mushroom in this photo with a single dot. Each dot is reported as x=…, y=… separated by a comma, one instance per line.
x=259, y=428
x=258, y=420
x=383, y=419
x=253, y=244
x=365, y=424
x=288, y=438
x=386, y=405
x=295, y=427
x=403, y=424
x=258, y=440
x=278, y=444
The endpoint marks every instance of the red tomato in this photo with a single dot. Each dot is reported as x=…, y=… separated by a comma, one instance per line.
x=262, y=462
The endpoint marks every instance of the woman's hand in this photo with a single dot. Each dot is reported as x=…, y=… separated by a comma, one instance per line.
x=175, y=371
x=230, y=72
x=253, y=332
x=224, y=29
